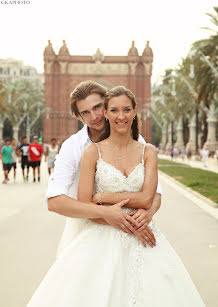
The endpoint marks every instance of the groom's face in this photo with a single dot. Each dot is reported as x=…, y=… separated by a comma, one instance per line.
x=91, y=111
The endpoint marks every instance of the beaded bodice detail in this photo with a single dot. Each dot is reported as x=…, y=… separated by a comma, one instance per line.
x=109, y=179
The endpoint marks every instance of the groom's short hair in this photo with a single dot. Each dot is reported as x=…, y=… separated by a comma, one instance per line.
x=82, y=91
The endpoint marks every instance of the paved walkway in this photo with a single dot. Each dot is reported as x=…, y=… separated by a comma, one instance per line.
x=212, y=162
x=29, y=237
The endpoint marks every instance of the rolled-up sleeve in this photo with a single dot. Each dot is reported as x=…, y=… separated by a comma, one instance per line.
x=66, y=165
x=159, y=189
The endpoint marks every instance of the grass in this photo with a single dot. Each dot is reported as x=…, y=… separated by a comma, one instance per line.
x=203, y=182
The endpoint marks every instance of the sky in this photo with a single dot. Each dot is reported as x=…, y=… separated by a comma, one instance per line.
x=171, y=27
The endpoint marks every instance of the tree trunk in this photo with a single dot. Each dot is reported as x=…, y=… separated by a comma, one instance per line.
x=192, y=134
x=15, y=133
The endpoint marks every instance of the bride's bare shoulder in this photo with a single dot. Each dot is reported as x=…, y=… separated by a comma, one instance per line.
x=91, y=152
x=150, y=150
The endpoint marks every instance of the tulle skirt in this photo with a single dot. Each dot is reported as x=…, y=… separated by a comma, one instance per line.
x=104, y=267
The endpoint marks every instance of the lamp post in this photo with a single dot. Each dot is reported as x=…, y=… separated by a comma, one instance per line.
x=2, y=114
x=170, y=143
x=192, y=76
x=205, y=59
x=212, y=111
x=39, y=106
x=192, y=125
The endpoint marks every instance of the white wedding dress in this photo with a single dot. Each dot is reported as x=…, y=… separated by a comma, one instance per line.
x=104, y=267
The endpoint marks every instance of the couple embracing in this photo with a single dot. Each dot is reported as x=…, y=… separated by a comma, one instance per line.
x=111, y=253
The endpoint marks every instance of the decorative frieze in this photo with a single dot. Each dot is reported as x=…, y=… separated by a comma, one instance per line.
x=98, y=68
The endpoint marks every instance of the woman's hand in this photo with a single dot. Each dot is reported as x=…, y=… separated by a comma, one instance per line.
x=146, y=236
x=116, y=217
x=142, y=216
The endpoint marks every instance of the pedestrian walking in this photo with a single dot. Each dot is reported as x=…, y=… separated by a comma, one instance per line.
x=35, y=151
x=51, y=151
x=204, y=156
x=175, y=152
x=23, y=153
x=14, y=157
x=171, y=153
x=6, y=155
x=189, y=154
x=183, y=153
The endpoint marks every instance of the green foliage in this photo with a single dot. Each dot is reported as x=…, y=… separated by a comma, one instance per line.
x=21, y=100
x=203, y=182
x=2, y=97
x=194, y=83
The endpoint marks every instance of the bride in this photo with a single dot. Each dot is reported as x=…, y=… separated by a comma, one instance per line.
x=107, y=266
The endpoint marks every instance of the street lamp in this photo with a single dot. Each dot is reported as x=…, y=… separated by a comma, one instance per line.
x=192, y=76
x=205, y=59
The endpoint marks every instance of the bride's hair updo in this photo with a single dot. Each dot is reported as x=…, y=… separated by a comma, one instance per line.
x=116, y=92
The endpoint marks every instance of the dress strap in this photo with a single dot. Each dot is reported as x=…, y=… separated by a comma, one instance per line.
x=98, y=150
x=143, y=151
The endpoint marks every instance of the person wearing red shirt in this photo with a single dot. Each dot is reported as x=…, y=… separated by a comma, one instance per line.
x=35, y=151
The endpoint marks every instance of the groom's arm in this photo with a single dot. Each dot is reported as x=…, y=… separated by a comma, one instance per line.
x=60, y=181
x=156, y=204
x=149, y=213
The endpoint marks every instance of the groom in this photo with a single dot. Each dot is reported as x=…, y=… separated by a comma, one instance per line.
x=87, y=105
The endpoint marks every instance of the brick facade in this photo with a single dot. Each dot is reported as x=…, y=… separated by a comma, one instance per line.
x=63, y=72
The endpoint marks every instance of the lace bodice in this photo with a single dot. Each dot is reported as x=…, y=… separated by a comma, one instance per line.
x=109, y=179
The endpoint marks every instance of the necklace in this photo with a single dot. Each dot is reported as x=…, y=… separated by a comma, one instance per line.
x=119, y=157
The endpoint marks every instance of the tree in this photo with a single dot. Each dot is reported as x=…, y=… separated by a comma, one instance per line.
x=24, y=101
x=205, y=62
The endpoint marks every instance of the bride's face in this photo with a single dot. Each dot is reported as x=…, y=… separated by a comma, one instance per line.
x=120, y=114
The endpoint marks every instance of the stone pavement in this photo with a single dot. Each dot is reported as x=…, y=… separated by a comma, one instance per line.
x=212, y=162
x=29, y=237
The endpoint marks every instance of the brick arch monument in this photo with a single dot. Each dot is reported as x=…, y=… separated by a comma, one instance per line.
x=63, y=72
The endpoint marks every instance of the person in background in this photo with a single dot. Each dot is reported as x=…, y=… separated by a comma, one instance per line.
x=6, y=155
x=51, y=151
x=183, y=153
x=14, y=157
x=189, y=154
x=35, y=151
x=171, y=153
x=216, y=155
x=175, y=152
x=23, y=152
x=204, y=155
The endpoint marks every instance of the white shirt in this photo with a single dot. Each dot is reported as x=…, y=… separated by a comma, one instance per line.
x=205, y=153
x=65, y=178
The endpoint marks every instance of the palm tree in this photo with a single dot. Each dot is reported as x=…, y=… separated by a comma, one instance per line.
x=205, y=62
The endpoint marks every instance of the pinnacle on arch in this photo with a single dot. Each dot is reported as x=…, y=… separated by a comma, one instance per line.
x=64, y=50
x=98, y=56
x=133, y=51
x=147, y=51
x=49, y=49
